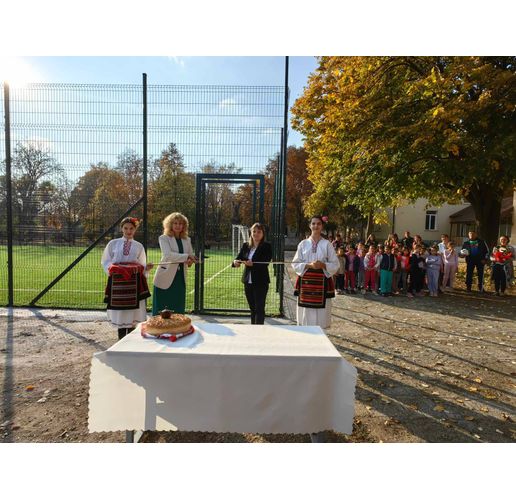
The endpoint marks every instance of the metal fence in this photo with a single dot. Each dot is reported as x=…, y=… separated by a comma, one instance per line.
x=76, y=158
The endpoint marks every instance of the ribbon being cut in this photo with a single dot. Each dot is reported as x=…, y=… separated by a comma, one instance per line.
x=126, y=286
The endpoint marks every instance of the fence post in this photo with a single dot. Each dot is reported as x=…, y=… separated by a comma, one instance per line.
x=283, y=198
x=144, y=194
x=8, y=197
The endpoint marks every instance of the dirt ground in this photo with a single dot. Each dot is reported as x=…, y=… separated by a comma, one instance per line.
x=430, y=370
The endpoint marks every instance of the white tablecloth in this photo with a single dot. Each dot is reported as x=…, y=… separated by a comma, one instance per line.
x=232, y=378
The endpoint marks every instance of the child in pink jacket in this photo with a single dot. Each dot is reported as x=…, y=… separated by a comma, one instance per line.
x=451, y=264
x=371, y=265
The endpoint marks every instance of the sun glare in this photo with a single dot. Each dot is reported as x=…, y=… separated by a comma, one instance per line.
x=16, y=72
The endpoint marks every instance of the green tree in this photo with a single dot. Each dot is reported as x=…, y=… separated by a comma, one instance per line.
x=380, y=130
x=130, y=165
x=171, y=189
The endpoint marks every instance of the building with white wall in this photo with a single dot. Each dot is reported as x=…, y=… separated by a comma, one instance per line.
x=452, y=219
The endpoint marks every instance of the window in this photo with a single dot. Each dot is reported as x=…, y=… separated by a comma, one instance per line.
x=430, y=220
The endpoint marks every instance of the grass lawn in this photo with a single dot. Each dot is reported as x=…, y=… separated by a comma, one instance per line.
x=83, y=287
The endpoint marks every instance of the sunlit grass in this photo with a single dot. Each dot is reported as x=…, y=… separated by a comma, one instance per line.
x=83, y=287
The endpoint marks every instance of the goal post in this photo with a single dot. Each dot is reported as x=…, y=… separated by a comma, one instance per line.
x=240, y=234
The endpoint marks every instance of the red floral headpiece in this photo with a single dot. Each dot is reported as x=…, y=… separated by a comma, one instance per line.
x=324, y=218
x=134, y=220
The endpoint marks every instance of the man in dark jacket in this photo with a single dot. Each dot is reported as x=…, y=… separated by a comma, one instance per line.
x=407, y=240
x=476, y=253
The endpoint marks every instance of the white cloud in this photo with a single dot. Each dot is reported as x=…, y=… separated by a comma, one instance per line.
x=177, y=60
x=40, y=143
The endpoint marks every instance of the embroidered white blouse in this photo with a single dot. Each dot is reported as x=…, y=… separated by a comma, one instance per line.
x=114, y=253
x=324, y=252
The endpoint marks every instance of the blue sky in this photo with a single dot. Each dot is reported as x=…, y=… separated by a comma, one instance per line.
x=213, y=70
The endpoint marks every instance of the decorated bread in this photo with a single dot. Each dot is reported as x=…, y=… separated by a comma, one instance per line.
x=168, y=322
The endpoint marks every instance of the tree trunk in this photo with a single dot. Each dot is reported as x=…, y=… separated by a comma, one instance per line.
x=487, y=204
x=370, y=225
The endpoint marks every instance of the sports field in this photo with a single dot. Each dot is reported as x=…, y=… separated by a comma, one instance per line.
x=83, y=287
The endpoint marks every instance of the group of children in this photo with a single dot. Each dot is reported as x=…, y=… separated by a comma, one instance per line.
x=391, y=269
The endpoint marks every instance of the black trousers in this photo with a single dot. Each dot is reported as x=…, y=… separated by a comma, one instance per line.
x=500, y=278
x=256, y=295
x=470, y=267
x=415, y=281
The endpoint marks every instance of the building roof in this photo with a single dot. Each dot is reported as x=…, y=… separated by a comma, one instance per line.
x=467, y=214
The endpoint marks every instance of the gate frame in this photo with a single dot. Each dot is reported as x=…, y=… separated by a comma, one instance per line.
x=201, y=182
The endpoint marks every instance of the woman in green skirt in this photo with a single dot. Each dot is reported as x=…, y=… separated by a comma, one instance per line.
x=177, y=256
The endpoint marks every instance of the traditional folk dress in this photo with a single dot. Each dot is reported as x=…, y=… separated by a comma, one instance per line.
x=314, y=306
x=127, y=288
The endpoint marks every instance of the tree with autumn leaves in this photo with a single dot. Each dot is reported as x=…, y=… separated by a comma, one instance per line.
x=381, y=131
x=299, y=188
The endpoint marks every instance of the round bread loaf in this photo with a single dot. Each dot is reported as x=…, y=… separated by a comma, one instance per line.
x=175, y=323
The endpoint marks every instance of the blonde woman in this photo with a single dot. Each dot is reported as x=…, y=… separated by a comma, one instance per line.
x=177, y=254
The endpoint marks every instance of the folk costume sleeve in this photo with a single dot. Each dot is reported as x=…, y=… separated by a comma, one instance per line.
x=299, y=260
x=332, y=264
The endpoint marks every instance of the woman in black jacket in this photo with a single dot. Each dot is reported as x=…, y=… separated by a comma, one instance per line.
x=256, y=276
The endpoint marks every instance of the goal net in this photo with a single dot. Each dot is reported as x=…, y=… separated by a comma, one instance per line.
x=240, y=234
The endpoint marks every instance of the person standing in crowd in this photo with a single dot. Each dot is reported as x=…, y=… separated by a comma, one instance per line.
x=177, y=254
x=256, y=276
x=407, y=240
x=417, y=264
x=352, y=267
x=337, y=243
x=443, y=245
x=371, y=240
x=341, y=254
x=499, y=256
x=315, y=263
x=379, y=252
x=476, y=253
x=509, y=265
x=361, y=254
x=396, y=273
x=418, y=241
x=451, y=265
x=405, y=269
x=371, y=266
x=433, y=268
x=387, y=266
x=125, y=263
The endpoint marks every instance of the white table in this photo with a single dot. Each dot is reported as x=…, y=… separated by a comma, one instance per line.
x=230, y=378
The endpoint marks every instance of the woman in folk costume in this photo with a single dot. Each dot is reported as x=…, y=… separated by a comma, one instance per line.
x=177, y=254
x=125, y=262
x=315, y=263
